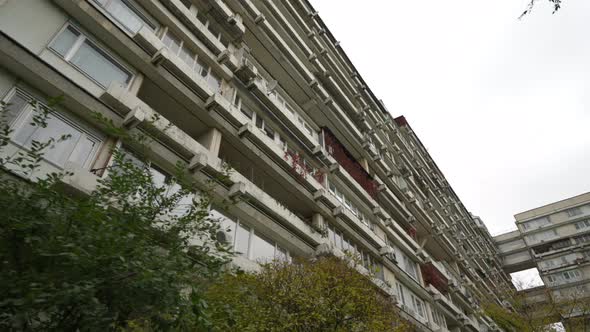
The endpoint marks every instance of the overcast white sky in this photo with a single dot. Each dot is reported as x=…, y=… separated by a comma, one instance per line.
x=502, y=105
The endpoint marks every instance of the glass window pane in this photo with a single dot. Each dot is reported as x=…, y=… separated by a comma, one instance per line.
x=338, y=239
x=102, y=69
x=262, y=250
x=83, y=151
x=14, y=106
x=331, y=234
x=64, y=42
x=259, y=122
x=159, y=179
x=247, y=112
x=187, y=56
x=269, y=132
x=184, y=204
x=125, y=15
x=60, y=152
x=172, y=42
x=227, y=225
x=201, y=68
x=282, y=254
x=214, y=82
x=242, y=239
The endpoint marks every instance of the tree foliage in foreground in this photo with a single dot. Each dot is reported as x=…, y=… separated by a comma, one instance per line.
x=116, y=259
x=321, y=295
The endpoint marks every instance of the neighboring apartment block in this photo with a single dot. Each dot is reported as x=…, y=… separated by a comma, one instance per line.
x=319, y=164
x=555, y=239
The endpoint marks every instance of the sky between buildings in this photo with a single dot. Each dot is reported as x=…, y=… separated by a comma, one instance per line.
x=503, y=105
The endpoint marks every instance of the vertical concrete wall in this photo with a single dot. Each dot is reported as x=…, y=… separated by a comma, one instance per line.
x=32, y=22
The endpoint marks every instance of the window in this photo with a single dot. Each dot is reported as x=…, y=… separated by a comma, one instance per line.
x=564, y=277
x=573, y=274
x=179, y=48
x=574, y=212
x=542, y=236
x=536, y=223
x=211, y=26
x=419, y=306
x=583, y=238
x=348, y=203
x=263, y=250
x=582, y=224
x=439, y=318
x=237, y=102
x=163, y=180
x=400, y=293
x=408, y=265
x=127, y=14
x=80, y=148
x=86, y=56
x=247, y=243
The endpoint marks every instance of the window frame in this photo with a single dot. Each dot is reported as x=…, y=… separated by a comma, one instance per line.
x=19, y=122
x=147, y=19
x=98, y=47
x=251, y=234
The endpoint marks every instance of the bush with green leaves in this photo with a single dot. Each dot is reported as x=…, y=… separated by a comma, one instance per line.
x=116, y=259
x=325, y=294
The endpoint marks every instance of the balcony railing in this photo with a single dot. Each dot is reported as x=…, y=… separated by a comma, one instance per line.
x=349, y=163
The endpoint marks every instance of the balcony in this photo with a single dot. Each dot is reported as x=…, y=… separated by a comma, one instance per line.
x=137, y=113
x=349, y=163
x=432, y=275
x=288, y=118
x=233, y=22
x=244, y=190
x=275, y=152
x=349, y=218
x=195, y=26
x=444, y=301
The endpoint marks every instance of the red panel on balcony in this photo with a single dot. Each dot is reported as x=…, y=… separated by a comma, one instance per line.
x=434, y=277
x=401, y=121
x=349, y=163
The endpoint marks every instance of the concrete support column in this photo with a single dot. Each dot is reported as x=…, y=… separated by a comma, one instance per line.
x=104, y=156
x=211, y=140
x=318, y=222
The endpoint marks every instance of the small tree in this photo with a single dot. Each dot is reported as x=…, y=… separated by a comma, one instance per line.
x=320, y=295
x=537, y=309
x=119, y=258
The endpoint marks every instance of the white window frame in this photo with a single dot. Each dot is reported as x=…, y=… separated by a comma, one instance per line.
x=148, y=20
x=81, y=39
x=251, y=233
x=18, y=122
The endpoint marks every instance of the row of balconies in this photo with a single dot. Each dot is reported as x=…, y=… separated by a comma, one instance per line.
x=179, y=65
x=139, y=113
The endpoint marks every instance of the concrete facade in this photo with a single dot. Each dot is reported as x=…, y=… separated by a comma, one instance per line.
x=553, y=238
x=319, y=166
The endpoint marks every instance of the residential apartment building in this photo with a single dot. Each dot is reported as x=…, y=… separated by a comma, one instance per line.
x=555, y=239
x=319, y=166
